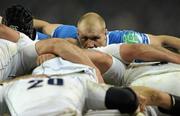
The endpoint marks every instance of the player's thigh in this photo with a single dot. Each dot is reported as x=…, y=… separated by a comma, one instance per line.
x=168, y=82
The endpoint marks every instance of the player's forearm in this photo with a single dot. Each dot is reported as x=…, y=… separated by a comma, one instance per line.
x=8, y=33
x=65, y=50
x=74, y=54
x=164, y=100
x=61, y=48
x=154, y=53
x=153, y=96
x=170, y=41
x=170, y=56
x=39, y=24
x=102, y=61
x=72, y=41
x=173, y=109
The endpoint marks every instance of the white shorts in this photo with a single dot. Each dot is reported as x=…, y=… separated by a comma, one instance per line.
x=47, y=96
x=168, y=82
x=164, y=77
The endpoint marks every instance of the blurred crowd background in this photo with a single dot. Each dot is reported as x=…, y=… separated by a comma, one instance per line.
x=149, y=16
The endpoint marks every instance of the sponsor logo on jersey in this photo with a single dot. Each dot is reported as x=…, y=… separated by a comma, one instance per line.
x=131, y=37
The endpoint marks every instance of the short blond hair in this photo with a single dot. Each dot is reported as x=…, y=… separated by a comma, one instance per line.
x=91, y=19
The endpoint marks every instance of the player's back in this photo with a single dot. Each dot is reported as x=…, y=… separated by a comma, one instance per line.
x=63, y=93
x=59, y=66
x=42, y=96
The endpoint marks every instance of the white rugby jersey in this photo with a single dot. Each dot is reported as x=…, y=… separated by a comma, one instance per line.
x=16, y=58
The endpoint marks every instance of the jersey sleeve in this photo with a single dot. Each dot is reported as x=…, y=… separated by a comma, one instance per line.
x=115, y=73
x=65, y=31
x=113, y=50
x=27, y=54
x=127, y=36
x=23, y=41
x=41, y=36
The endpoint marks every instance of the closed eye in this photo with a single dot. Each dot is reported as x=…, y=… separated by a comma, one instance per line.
x=94, y=38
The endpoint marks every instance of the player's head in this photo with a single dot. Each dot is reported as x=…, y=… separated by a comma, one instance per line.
x=91, y=30
x=19, y=18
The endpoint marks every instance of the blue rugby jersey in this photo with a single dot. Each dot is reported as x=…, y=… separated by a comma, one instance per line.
x=41, y=36
x=126, y=36
x=65, y=31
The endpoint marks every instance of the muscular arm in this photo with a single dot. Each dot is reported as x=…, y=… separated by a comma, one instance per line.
x=129, y=52
x=165, y=40
x=45, y=26
x=8, y=33
x=102, y=61
x=14, y=36
x=73, y=41
x=166, y=102
x=153, y=96
x=39, y=24
x=65, y=50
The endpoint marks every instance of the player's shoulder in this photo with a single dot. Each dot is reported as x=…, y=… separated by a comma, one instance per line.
x=123, y=31
x=67, y=26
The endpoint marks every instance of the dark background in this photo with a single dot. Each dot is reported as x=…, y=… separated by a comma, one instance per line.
x=149, y=16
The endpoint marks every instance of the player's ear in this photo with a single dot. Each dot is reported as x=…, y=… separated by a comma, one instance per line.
x=106, y=31
x=78, y=32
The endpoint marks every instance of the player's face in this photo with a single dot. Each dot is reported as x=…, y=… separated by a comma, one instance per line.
x=91, y=39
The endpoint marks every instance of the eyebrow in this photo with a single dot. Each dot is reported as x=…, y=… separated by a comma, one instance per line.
x=91, y=37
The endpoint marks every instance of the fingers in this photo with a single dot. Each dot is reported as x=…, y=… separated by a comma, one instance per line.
x=38, y=61
x=142, y=102
x=144, y=95
x=138, y=112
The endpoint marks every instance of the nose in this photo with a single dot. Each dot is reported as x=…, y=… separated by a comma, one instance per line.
x=90, y=44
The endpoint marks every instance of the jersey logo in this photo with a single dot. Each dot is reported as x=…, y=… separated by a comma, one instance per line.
x=39, y=83
x=131, y=37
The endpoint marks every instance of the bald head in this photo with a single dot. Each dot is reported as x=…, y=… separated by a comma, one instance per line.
x=91, y=30
x=91, y=22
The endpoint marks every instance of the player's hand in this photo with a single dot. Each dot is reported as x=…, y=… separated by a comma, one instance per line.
x=142, y=104
x=151, y=95
x=44, y=57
